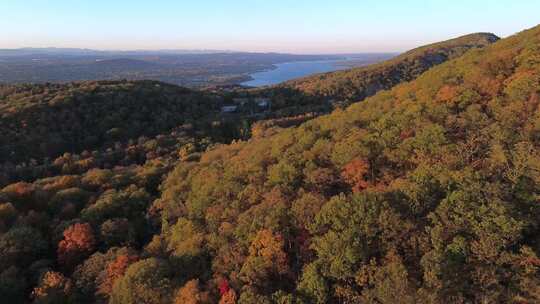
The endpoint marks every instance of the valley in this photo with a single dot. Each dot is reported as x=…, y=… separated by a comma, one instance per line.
x=196, y=69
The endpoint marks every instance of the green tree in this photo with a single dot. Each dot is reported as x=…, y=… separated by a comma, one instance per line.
x=146, y=281
x=21, y=246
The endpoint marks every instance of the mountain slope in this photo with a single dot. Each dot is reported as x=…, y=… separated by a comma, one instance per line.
x=427, y=193
x=45, y=120
x=423, y=194
x=359, y=83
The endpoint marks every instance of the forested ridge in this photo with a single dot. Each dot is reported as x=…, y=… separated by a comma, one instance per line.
x=425, y=193
x=358, y=83
x=324, y=92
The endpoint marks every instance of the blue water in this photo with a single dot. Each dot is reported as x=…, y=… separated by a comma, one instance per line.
x=292, y=70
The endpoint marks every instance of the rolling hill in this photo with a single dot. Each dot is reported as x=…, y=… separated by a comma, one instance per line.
x=45, y=120
x=423, y=193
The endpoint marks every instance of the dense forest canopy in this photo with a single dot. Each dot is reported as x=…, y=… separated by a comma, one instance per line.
x=424, y=193
x=45, y=120
x=427, y=193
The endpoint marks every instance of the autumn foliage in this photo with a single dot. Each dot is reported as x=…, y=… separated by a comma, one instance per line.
x=78, y=243
x=424, y=193
x=114, y=270
x=223, y=286
x=191, y=294
x=354, y=173
x=229, y=297
x=266, y=259
x=53, y=288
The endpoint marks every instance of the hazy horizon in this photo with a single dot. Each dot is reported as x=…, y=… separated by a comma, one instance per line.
x=302, y=27
x=190, y=51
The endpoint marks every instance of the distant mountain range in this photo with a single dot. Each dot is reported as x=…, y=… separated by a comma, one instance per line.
x=30, y=51
x=53, y=51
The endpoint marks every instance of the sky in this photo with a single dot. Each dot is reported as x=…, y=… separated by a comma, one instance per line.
x=292, y=26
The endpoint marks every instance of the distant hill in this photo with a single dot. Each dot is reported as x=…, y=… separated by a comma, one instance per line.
x=43, y=120
x=359, y=83
x=91, y=52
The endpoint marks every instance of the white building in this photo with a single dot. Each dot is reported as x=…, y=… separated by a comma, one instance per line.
x=263, y=102
x=229, y=109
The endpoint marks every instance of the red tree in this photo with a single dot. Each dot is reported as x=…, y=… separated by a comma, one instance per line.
x=78, y=243
x=228, y=298
x=354, y=174
x=115, y=270
x=224, y=287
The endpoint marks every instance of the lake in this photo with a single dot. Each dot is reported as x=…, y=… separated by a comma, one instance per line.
x=291, y=70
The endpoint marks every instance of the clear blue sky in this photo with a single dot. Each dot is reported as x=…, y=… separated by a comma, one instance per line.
x=299, y=26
